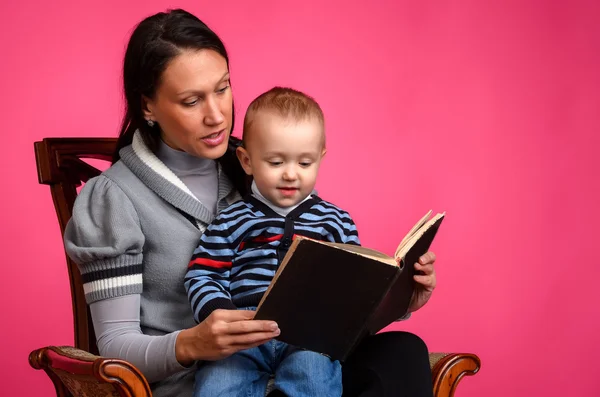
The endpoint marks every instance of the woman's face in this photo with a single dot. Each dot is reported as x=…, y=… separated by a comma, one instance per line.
x=193, y=104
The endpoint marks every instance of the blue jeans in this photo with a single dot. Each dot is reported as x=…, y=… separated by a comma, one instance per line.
x=297, y=372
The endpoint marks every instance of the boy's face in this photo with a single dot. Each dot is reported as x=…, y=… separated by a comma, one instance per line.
x=283, y=156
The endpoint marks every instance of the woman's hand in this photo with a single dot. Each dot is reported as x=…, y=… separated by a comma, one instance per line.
x=425, y=279
x=221, y=334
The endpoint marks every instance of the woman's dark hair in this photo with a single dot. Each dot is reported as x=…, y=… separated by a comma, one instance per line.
x=153, y=44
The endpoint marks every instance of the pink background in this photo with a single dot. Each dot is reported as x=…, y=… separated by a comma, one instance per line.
x=490, y=112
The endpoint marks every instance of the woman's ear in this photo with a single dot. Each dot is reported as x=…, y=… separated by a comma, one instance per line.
x=323, y=152
x=244, y=158
x=147, y=108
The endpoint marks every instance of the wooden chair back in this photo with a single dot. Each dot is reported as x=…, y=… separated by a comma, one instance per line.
x=60, y=165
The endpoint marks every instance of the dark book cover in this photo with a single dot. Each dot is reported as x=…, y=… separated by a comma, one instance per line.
x=323, y=297
x=326, y=296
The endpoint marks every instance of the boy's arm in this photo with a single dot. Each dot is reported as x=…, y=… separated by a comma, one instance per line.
x=349, y=234
x=207, y=278
x=340, y=224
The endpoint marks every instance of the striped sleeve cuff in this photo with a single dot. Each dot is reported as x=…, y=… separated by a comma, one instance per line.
x=113, y=277
x=212, y=305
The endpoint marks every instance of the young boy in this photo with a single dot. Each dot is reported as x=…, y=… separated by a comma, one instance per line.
x=238, y=255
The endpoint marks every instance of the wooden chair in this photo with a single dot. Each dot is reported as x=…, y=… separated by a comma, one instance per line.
x=79, y=371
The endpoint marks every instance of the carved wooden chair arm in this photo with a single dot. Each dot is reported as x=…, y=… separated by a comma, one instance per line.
x=449, y=368
x=76, y=373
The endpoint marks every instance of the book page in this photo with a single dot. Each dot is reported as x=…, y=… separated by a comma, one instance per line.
x=366, y=252
x=413, y=231
x=408, y=243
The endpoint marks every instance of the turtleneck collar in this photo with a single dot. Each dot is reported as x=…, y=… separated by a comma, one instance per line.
x=278, y=210
x=165, y=183
x=183, y=163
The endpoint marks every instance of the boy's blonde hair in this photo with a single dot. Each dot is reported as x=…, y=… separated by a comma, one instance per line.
x=287, y=103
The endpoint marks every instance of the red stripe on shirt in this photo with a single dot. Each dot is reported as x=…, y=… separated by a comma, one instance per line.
x=209, y=263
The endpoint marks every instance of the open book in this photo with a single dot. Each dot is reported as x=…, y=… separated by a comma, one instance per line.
x=327, y=296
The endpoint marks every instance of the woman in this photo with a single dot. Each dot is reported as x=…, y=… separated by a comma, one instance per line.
x=135, y=227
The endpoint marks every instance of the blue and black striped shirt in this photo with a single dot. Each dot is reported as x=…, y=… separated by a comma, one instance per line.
x=241, y=249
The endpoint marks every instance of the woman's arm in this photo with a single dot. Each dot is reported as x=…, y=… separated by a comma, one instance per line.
x=105, y=239
x=224, y=332
x=118, y=334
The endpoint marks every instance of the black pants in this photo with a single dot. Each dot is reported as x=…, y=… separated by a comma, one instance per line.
x=390, y=364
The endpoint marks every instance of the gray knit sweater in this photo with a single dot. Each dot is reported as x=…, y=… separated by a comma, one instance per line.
x=132, y=233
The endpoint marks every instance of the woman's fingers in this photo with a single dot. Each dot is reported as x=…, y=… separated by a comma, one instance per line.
x=426, y=281
x=242, y=341
x=232, y=315
x=425, y=276
x=428, y=257
x=236, y=322
x=424, y=269
x=250, y=327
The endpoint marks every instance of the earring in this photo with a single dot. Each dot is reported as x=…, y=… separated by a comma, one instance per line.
x=150, y=123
